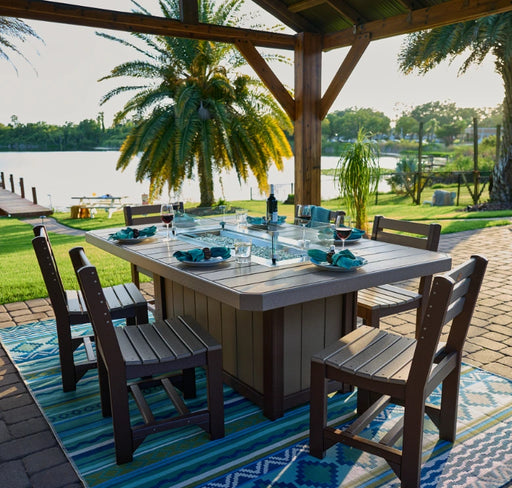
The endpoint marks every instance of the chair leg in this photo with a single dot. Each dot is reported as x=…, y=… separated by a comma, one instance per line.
x=66, y=357
x=317, y=410
x=123, y=438
x=410, y=469
x=215, y=394
x=189, y=383
x=135, y=276
x=106, y=407
x=449, y=406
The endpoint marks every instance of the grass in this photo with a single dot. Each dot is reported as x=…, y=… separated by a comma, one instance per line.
x=22, y=280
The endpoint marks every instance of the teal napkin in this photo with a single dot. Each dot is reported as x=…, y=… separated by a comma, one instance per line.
x=343, y=259
x=198, y=254
x=261, y=220
x=130, y=233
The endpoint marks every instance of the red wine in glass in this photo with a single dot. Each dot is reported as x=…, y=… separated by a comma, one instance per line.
x=343, y=233
x=167, y=216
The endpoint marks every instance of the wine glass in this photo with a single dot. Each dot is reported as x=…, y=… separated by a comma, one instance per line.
x=167, y=216
x=303, y=217
x=343, y=228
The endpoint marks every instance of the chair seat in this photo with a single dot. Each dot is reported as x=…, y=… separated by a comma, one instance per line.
x=360, y=352
x=387, y=296
x=123, y=300
x=164, y=341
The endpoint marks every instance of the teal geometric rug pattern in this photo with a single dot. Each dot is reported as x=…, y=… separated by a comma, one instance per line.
x=256, y=452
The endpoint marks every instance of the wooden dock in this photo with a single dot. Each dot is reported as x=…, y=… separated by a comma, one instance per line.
x=16, y=206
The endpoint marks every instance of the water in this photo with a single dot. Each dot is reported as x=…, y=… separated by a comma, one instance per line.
x=60, y=176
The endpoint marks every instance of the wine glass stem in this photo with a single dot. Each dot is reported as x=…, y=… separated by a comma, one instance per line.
x=167, y=227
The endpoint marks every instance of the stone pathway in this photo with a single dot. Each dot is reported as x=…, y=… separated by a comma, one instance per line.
x=31, y=456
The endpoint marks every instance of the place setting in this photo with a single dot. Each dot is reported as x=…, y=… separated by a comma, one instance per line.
x=203, y=257
x=132, y=235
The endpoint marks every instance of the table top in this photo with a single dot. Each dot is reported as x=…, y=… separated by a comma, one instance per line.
x=257, y=287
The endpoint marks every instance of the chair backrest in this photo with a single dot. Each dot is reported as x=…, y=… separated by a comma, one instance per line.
x=146, y=214
x=412, y=234
x=452, y=299
x=96, y=303
x=50, y=271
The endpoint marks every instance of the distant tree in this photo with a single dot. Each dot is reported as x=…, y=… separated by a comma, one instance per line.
x=346, y=124
x=406, y=126
x=12, y=30
x=425, y=50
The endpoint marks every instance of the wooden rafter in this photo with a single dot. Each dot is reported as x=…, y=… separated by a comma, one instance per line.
x=130, y=22
x=280, y=11
x=347, y=11
x=445, y=13
x=305, y=5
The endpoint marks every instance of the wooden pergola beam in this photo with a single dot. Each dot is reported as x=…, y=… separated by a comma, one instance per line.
x=343, y=73
x=132, y=22
x=269, y=78
x=446, y=13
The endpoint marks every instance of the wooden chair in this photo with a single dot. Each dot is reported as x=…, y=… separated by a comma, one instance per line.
x=381, y=301
x=388, y=368
x=124, y=301
x=129, y=359
x=140, y=215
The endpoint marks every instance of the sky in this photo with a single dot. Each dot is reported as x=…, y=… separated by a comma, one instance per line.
x=62, y=83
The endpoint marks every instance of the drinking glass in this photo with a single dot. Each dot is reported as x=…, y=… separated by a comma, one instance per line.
x=167, y=216
x=343, y=228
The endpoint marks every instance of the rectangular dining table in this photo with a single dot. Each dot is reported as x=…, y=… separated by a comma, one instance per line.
x=270, y=320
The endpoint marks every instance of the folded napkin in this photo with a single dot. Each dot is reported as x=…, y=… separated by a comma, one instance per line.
x=262, y=220
x=130, y=233
x=343, y=259
x=198, y=254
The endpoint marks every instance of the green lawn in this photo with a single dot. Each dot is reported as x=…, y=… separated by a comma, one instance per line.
x=21, y=277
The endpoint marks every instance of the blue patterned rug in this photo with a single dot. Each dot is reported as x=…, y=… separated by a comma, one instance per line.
x=257, y=453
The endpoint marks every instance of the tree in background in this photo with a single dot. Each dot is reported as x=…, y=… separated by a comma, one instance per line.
x=194, y=112
x=345, y=124
x=475, y=39
x=11, y=28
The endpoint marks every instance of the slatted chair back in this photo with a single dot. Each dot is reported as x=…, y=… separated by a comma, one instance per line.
x=406, y=233
x=146, y=214
x=50, y=271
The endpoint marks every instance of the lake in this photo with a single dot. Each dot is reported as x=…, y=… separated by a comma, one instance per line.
x=60, y=176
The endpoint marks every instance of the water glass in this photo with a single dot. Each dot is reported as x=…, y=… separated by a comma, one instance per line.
x=241, y=219
x=243, y=251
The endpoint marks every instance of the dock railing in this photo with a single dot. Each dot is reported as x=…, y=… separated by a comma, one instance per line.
x=22, y=186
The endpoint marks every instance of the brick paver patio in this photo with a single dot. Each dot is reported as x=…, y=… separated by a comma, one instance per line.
x=31, y=456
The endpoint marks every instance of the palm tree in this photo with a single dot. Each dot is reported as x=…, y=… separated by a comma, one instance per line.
x=489, y=35
x=195, y=112
x=13, y=28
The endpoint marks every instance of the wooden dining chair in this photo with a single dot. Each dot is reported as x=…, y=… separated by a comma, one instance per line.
x=140, y=215
x=388, y=368
x=124, y=302
x=134, y=357
x=381, y=301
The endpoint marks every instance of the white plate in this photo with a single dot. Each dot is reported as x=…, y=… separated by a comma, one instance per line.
x=205, y=262
x=329, y=267
x=135, y=240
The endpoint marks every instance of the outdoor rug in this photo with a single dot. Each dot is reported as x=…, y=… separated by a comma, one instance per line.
x=258, y=453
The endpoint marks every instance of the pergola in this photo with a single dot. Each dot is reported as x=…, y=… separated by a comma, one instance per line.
x=319, y=26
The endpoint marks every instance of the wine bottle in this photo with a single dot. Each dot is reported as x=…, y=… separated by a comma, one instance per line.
x=272, y=206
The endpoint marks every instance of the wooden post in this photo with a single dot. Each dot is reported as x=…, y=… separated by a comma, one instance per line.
x=2, y=180
x=308, y=130
x=22, y=188
x=420, y=156
x=476, y=173
x=34, y=195
x=11, y=178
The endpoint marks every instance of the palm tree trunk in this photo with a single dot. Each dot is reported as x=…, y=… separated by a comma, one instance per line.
x=204, y=173
x=501, y=191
